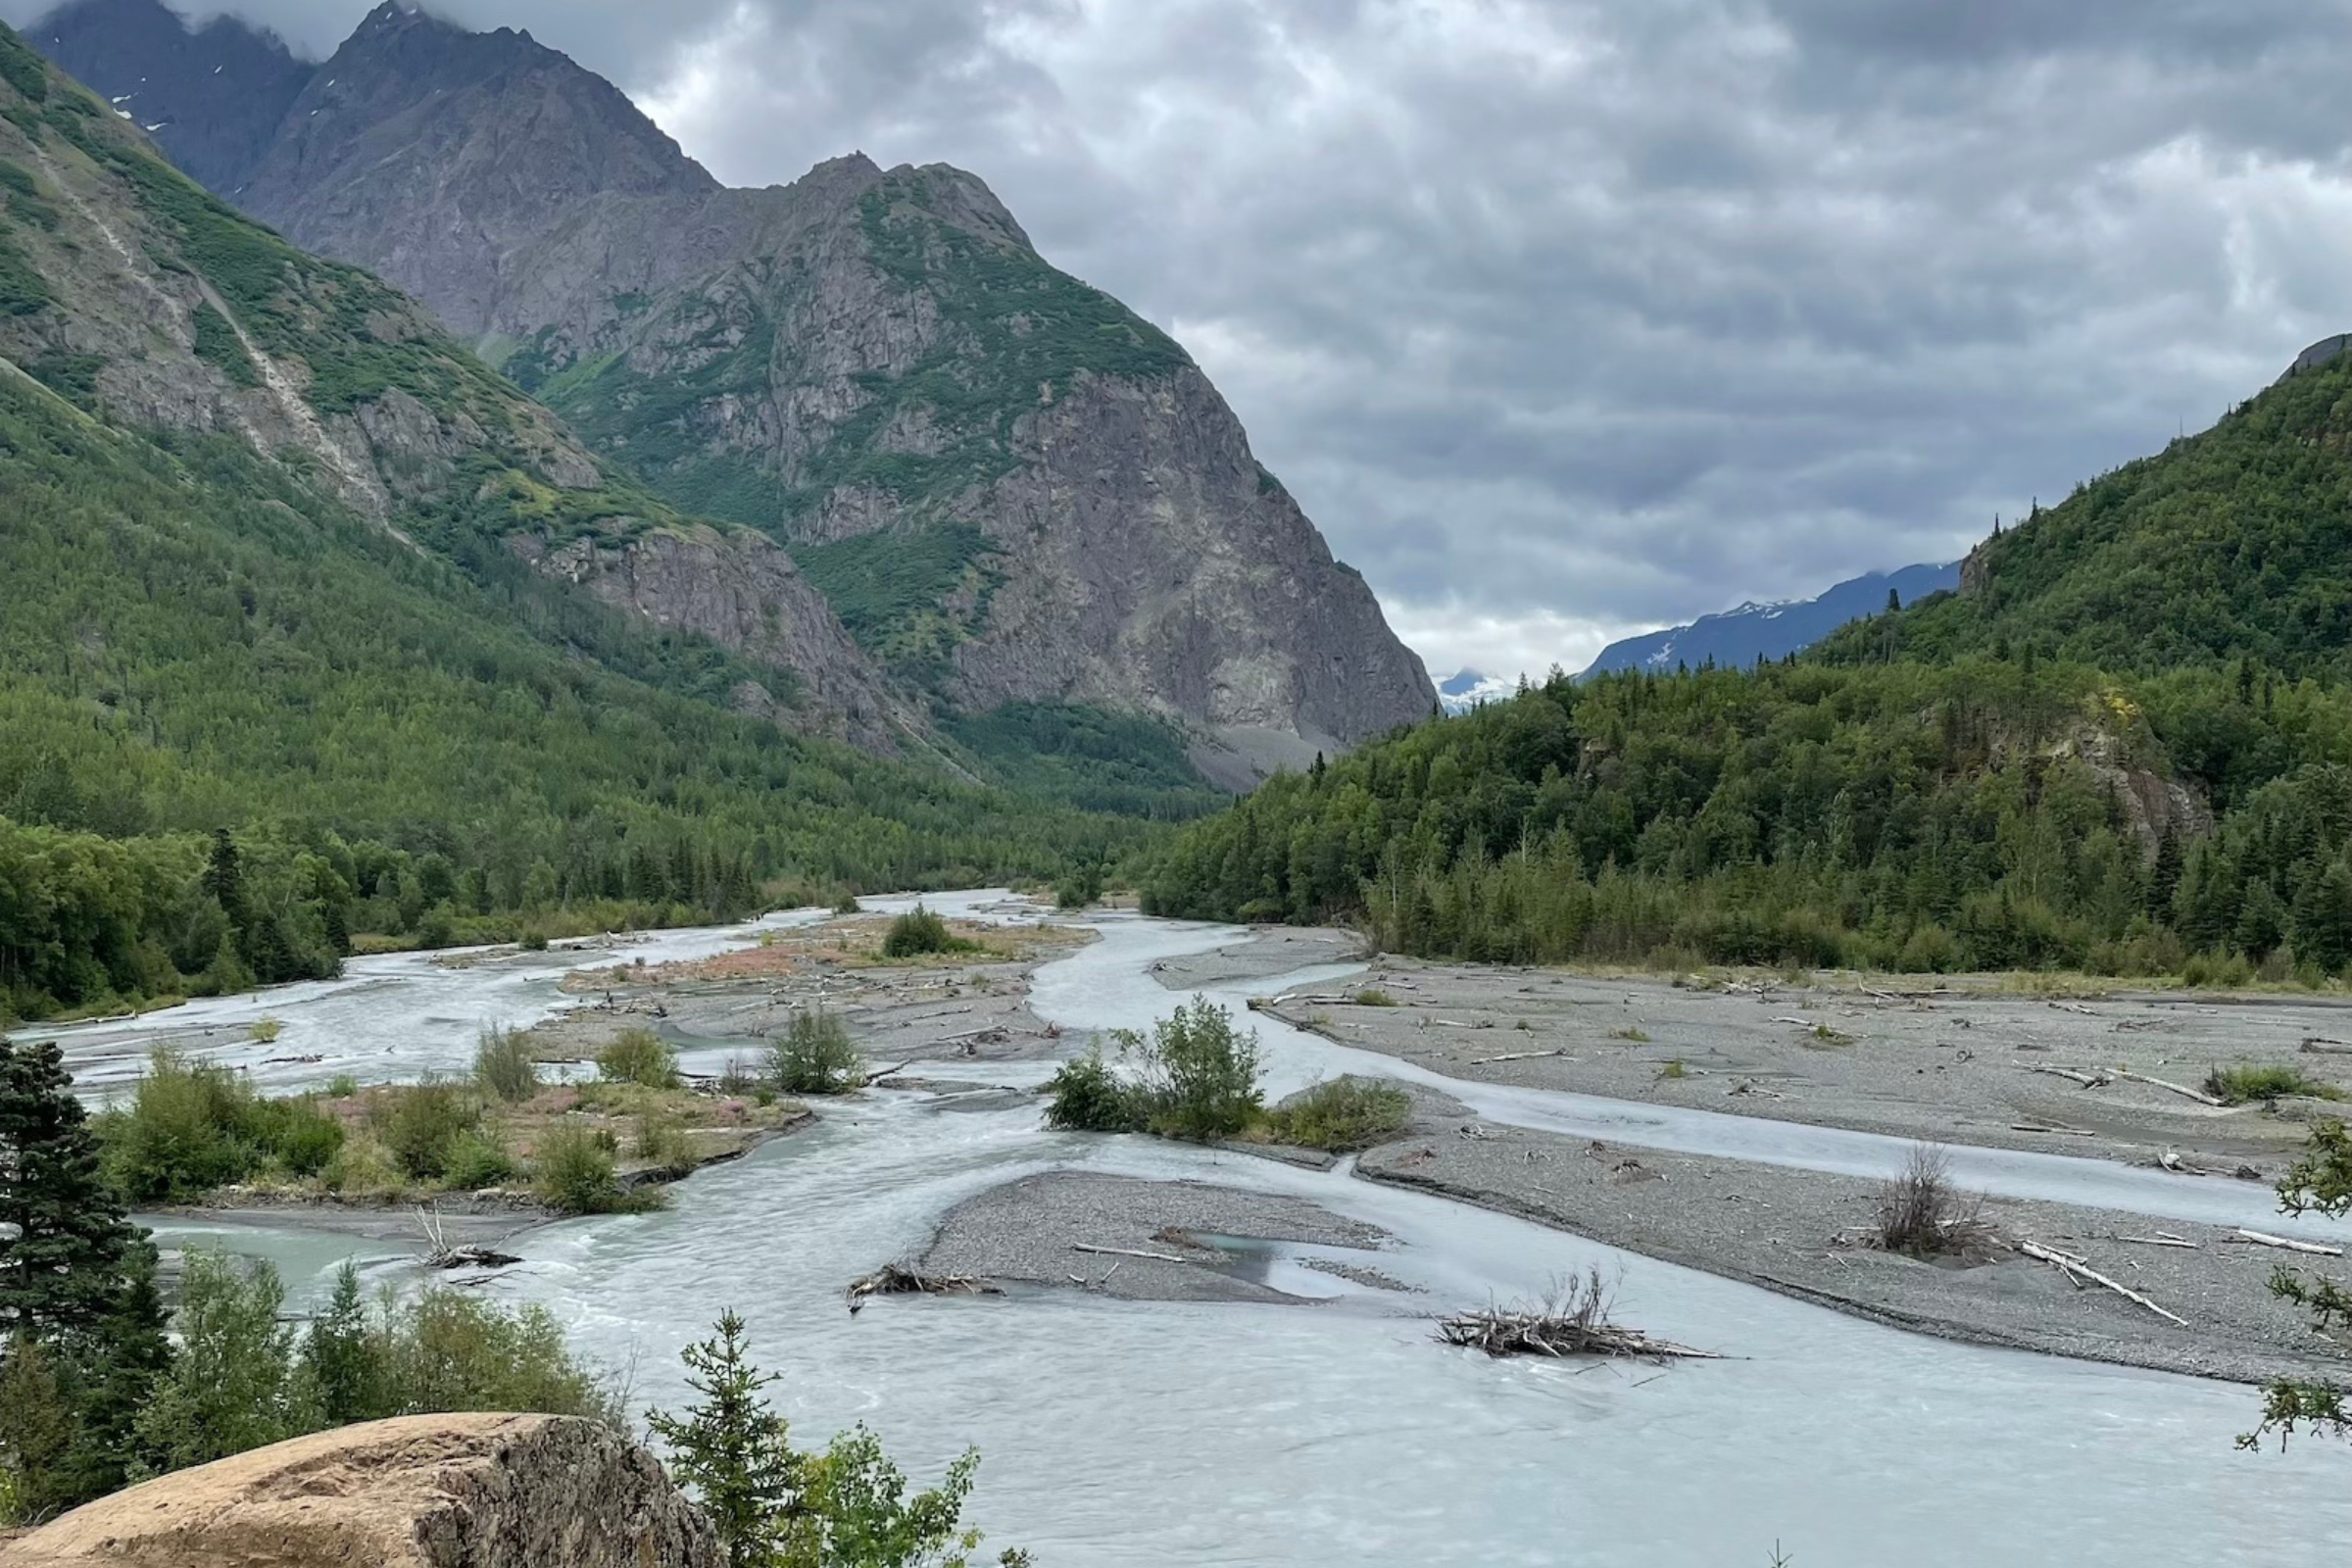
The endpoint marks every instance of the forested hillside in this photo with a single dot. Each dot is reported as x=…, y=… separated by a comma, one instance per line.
x=255, y=549
x=2232, y=544
x=2125, y=745
x=1989, y=813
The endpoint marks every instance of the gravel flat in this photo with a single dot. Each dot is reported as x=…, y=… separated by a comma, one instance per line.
x=1774, y=1227
x=1956, y=1065
x=1272, y=951
x=1029, y=1231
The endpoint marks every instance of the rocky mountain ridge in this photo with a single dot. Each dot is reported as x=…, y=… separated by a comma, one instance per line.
x=131, y=293
x=1009, y=486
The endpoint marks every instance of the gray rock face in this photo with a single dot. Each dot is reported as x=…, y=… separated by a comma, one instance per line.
x=863, y=352
x=1149, y=566
x=742, y=592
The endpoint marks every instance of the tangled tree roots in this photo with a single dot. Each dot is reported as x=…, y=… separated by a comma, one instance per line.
x=1575, y=1321
x=893, y=1279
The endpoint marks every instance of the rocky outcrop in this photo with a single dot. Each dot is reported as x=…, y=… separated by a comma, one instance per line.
x=423, y=1491
x=1151, y=565
x=742, y=592
x=865, y=352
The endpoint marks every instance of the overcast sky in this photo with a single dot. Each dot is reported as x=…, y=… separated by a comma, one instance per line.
x=1569, y=319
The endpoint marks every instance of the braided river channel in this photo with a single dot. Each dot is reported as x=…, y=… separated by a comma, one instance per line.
x=1132, y=1433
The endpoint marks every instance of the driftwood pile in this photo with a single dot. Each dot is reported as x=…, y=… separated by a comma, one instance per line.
x=1575, y=1321
x=894, y=1279
x=438, y=1253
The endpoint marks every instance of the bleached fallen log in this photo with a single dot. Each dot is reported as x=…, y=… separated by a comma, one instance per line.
x=2060, y=1132
x=2317, y=1047
x=2075, y=1266
x=2159, y=1241
x=1127, y=1251
x=2073, y=1007
x=2198, y=1095
x=2088, y=1080
x=1516, y=1055
x=1801, y=1023
x=2263, y=1239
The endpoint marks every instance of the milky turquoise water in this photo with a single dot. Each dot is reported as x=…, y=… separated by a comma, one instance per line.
x=1131, y=1433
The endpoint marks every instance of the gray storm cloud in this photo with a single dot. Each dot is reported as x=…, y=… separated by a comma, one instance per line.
x=1563, y=319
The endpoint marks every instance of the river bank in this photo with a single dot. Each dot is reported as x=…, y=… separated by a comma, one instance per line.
x=719, y=1012
x=1952, y=1066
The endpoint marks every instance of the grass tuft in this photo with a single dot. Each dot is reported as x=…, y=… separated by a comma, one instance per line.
x=2252, y=1081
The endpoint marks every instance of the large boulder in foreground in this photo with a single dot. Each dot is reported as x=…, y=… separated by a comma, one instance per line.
x=423, y=1492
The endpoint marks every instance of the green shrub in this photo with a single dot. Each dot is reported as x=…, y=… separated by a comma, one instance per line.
x=264, y=1031
x=2242, y=1084
x=189, y=1128
x=1080, y=886
x=362, y=1168
x=242, y=1378
x=300, y=1135
x=573, y=1173
x=231, y=1387
x=639, y=1057
x=918, y=932
x=664, y=1147
x=1089, y=1098
x=449, y=1351
x=504, y=1066
x=1374, y=999
x=424, y=1122
x=477, y=1159
x=1342, y=1115
x=814, y=1057
x=1199, y=1074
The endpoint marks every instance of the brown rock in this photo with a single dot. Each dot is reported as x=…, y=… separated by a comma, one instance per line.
x=423, y=1492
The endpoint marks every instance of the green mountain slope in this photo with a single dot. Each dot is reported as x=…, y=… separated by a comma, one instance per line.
x=2126, y=746
x=256, y=540
x=1013, y=489
x=2232, y=544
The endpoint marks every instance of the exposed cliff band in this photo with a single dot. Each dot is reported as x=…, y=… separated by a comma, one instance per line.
x=1011, y=487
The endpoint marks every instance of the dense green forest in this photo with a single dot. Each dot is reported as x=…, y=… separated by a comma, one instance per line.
x=402, y=730
x=1902, y=815
x=195, y=642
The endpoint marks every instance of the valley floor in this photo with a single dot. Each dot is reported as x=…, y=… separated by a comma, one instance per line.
x=1957, y=1064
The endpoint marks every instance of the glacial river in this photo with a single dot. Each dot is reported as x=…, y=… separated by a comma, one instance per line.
x=1132, y=1434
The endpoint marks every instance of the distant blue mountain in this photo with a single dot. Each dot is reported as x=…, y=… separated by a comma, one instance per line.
x=1469, y=688
x=1738, y=637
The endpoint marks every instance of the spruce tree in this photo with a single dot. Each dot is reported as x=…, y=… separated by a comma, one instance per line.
x=733, y=1449
x=75, y=1276
x=68, y=1252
